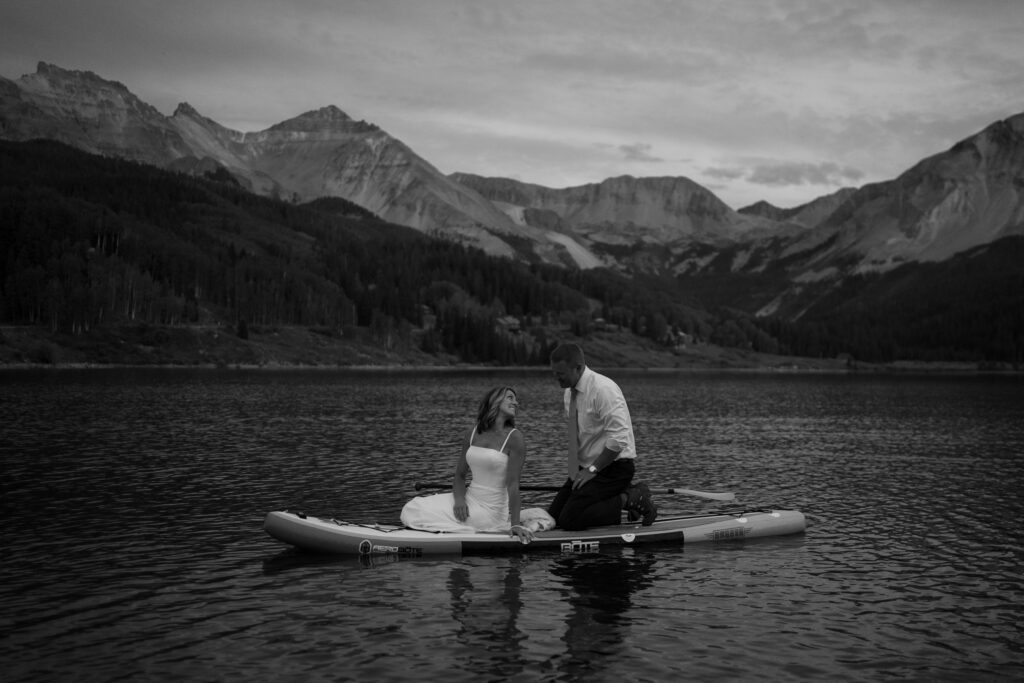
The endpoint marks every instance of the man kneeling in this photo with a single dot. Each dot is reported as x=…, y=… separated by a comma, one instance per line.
x=601, y=450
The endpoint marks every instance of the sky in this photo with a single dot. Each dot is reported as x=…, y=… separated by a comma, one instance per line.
x=776, y=100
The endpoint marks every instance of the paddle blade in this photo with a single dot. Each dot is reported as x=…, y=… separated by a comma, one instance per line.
x=727, y=495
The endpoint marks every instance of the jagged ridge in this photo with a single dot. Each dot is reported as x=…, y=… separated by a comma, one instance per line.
x=966, y=196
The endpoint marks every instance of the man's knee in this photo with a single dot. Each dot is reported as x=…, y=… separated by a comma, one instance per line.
x=571, y=523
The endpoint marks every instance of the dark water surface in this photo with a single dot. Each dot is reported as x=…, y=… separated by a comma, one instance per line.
x=133, y=547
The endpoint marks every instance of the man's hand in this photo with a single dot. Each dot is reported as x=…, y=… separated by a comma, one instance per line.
x=461, y=511
x=582, y=478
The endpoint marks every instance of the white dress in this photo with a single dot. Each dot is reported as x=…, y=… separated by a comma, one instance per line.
x=486, y=497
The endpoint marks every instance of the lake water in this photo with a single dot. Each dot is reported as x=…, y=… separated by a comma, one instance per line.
x=133, y=547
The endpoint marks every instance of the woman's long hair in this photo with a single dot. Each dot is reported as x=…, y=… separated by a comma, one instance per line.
x=487, y=414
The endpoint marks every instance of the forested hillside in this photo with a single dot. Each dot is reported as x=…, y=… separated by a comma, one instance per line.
x=92, y=243
x=969, y=308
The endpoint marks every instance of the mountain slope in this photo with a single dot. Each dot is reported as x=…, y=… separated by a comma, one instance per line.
x=83, y=110
x=128, y=255
x=969, y=307
x=774, y=262
x=624, y=209
x=969, y=195
x=949, y=203
x=625, y=222
x=319, y=153
x=806, y=215
x=326, y=153
x=93, y=242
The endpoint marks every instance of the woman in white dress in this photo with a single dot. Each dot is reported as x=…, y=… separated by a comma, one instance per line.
x=493, y=453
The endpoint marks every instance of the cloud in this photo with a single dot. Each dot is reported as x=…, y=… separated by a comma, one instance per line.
x=722, y=173
x=801, y=173
x=639, y=151
x=561, y=93
x=790, y=173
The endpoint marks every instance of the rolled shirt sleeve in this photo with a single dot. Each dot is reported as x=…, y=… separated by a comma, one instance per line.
x=618, y=427
x=604, y=420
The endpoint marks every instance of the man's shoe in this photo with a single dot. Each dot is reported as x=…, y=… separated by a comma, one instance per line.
x=632, y=515
x=639, y=505
x=633, y=496
x=649, y=511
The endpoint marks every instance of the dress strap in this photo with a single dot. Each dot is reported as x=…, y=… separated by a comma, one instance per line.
x=506, y=439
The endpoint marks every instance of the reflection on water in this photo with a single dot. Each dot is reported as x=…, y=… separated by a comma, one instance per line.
x=598, y=605
x=133, y=502
x=486, y=602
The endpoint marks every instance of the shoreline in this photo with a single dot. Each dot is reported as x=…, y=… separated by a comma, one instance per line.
x=873, y=369
x=24, y=348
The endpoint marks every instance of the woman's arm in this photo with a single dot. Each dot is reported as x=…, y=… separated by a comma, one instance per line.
x=516, y=460
x=460, y=509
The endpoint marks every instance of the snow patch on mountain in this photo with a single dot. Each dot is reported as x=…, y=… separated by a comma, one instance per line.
x=514, y=212
x=582, y=256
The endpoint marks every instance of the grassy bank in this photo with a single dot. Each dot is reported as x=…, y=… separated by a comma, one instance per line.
x=218, y=346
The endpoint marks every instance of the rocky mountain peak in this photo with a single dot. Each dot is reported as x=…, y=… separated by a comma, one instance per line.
x=186, y=109
x=65, y=89
x=620, y=210
x=54, y=74
x=969, y=195
x=964, y=197
x=807, y=215
x=206, y=137
x=89, y=112
x=329, y=118
x=765, y=209
x=328, y=113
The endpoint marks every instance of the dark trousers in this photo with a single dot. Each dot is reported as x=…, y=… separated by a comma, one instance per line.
x=597, y=502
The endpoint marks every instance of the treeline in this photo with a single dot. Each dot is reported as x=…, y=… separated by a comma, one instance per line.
x=90, y=241
x=968, y=308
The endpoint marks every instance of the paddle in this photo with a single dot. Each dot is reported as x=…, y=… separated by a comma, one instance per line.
x=726, y=495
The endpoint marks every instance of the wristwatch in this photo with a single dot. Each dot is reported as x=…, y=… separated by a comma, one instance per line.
x=592, y=469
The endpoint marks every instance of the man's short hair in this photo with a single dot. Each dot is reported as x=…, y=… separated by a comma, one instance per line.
x=569, y=353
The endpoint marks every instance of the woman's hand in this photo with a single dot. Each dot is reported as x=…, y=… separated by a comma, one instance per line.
x=461, y=511
x=521, y=532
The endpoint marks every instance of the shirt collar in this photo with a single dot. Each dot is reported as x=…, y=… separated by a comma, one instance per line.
x=585, y=381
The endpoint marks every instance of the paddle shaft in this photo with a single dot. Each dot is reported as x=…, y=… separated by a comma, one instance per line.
x=727, y=495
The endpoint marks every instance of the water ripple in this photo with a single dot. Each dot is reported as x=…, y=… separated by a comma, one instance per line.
x=133, y=505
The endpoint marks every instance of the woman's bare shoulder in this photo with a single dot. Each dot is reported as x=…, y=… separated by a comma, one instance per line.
x=515, y=437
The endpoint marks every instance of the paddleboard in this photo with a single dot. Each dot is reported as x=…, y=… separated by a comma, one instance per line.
x=337, y=537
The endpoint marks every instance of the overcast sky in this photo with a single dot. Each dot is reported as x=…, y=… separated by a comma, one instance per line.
x=782, y=100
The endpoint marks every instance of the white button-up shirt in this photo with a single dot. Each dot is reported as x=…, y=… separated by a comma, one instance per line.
x=603, y=418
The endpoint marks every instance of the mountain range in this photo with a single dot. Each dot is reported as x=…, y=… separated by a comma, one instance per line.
x=762, y=259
